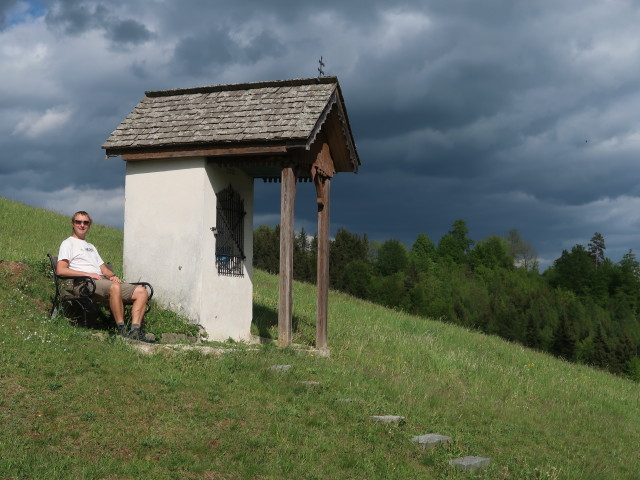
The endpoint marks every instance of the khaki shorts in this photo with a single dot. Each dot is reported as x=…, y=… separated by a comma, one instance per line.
x=102, y=290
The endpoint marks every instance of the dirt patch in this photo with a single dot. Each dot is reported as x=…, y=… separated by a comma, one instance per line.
x=15, y=275
x=14, y=268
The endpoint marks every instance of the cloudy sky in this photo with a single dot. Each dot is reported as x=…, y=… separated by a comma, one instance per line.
x=504, y=113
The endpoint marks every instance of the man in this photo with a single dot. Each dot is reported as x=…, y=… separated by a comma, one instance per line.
x=77, y=257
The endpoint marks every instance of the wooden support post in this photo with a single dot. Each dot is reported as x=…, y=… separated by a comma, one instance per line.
x=323, y=263
x=285, y=305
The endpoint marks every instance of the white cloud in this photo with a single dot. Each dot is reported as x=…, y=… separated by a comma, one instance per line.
x=618, y=214
x=106, y=206
x=398, y=28
x=34, y=125
x=21, y=57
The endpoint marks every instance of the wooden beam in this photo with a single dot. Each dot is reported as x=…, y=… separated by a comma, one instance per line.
x=321, y=171
x=285, y=305
x=200, y=152
x=322, y=312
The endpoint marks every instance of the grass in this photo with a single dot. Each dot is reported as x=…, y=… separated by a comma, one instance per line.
x=75, y=406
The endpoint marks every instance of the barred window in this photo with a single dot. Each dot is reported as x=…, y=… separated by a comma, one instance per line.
x=230, y=233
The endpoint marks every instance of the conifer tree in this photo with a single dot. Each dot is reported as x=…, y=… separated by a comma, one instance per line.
x=344, y=249
x=392, y=257
x=596, y=249
x=423, y=253
x=455, y=245
x=303, y=258
x=564, y=339
x=266, y=248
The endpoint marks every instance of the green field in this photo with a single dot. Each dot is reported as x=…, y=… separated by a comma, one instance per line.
x=77, y=405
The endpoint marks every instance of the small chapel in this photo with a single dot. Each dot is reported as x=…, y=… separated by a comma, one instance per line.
x=192, y=156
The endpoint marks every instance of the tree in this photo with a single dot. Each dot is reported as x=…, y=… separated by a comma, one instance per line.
x=266, y=248
x=392, y=257
x=523, y=254
x=565, y=338
x=422, y=253
x=630, y=264
x=630, y=272
x=491, y=253
x=602, y=351
x=304, y=258
x=455, y=245
x=344, y=249
x=573, y=271
x=389, y=290
x=629, y=279
x=596, y=249
x=357, y=278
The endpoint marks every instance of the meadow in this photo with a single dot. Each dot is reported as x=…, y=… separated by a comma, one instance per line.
x=77, y=403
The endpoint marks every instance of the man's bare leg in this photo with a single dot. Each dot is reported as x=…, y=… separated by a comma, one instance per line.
x=139, y=297
x=115, y=303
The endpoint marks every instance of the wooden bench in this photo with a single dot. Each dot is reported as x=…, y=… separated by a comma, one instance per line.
x=67, y=297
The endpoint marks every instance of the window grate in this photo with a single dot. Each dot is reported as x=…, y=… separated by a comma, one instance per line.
x=230, y=233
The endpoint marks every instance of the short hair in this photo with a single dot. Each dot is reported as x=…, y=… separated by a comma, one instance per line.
x=81, y=212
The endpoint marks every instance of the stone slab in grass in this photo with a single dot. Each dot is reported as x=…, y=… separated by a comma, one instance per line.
x=396, y=419
x=470, y=463
x=430, y=440
x=177, y=338
x=281, y=368
x=153, y=348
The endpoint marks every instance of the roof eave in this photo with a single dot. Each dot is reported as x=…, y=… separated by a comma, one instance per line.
x=208, y=149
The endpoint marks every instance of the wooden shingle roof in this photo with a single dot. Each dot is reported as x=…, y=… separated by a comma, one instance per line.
x=286, y=114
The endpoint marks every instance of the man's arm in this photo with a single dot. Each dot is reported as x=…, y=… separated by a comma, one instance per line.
x=62, y=268
x=109, y=274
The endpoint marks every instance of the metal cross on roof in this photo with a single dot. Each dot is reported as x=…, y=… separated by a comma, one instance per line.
x=320, y=69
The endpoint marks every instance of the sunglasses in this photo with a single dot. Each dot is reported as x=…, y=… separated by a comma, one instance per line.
x=82, y=222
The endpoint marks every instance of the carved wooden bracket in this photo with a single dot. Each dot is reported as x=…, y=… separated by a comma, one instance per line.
x=321, y=170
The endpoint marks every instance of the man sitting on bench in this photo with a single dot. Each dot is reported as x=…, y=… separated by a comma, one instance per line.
x=77, y=258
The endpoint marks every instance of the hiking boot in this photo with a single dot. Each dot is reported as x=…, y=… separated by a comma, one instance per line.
x=134, y=334
x=122, y=330
x=137, y=334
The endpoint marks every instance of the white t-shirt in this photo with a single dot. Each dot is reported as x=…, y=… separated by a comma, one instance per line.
x=82, y=255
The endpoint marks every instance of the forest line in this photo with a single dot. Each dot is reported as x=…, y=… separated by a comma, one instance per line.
x=584, y=308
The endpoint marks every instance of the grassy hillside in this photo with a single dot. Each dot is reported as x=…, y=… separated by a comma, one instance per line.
x=75, y=406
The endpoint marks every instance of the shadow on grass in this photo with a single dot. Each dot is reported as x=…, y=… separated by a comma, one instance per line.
x=265, y=320
x=97, y=317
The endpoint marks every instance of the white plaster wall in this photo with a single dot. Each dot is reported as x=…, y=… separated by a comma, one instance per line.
x=227, y=307
x=170, y=207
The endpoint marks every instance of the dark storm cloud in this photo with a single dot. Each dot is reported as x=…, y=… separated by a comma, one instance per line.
x=178, y=16
x=470, y=142
x=5, y=6
x=479, y=102
x=505, y=114
x=217, y=49
x=127, y=32
x=75, y=17
x=197, y=54
x=51, y=161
